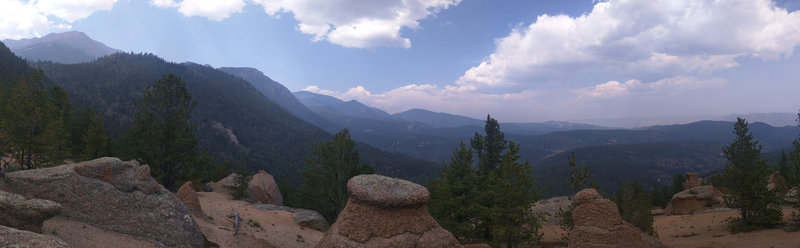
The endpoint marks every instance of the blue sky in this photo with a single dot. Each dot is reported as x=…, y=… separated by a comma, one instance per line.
x=519, y=60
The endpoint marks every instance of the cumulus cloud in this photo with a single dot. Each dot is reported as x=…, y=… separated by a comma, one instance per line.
x=659, y=37
x=358, y=23
x=36, y=18
x=216, y=10
x=615, y=89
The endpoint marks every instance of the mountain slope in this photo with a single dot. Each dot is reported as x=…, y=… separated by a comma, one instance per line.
x=68, y=47
x=437, y=119
x=12, y=67
x=233, y=117
x=331, y=106
x=280, y=95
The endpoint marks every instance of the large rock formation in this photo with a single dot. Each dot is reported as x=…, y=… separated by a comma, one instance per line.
x=598, y=224
x=692, y=181
x=25, y=214
x=112, y=195
x=386, y=212
x=776, y=182
x=262, y=188
x=189, y=198
x=10, y=237
x=695, y=199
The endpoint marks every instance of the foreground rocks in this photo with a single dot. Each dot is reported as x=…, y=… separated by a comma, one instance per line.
x=386, y=212
x=188, y=196
x=10, y=237
x=262, y=188
x=598, y=224
x=550, y=207
x=695, y=199
x=25, y=214
x=113, y=195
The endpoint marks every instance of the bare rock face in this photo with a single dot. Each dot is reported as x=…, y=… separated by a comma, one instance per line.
x=113, y=195
x=262, y=188
x=189, y=198
x=551, y=207
x=10, y=237
x=695, y=199
x=386, y=212
x=25, y=214
x=776, y=182
x=598, y=224
x=692, y=181
x=310, y=219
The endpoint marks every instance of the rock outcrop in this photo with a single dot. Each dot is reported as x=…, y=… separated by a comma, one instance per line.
x=776, y=182
x=598, y=224
x=26, y=214
x=10, y=237
x=692, y=181
x=189, y=198
x=695, y=199
x=550, y=207
x=113, y=195
x=386, y=212
x=310, y=219
x=262, y=188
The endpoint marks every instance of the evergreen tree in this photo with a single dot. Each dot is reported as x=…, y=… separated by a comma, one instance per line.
x=634, y=206
x=324, y=185
x=453, y=195
x=577, y=180
x=493, y=200
x=162, y=135
x=241, y=181
x=94, y=140
x=745, y=178
x=34, y=132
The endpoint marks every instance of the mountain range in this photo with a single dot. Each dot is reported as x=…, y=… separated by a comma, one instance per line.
x=68, y=48
x=243, y=111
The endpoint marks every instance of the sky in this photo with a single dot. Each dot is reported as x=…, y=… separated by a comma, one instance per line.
x=518, y=60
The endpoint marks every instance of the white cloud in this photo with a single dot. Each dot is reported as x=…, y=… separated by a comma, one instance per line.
x=615, y=89
x=358, y=23
x=72, y=10
x=661, y=37
x=36, y=18
x=216, y=10
x=164, y=3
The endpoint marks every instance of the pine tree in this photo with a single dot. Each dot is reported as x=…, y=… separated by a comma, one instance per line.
x=162, y=136
x=745, y=178
x=94, y=140
x=494, y=200
x=324, y=184
x=577, y=180
x=453, y=195
x=634, y=206
x=241, y=181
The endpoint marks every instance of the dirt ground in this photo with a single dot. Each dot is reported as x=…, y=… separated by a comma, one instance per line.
x=707, y=229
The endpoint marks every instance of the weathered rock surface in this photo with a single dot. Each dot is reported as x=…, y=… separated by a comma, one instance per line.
x=386, y=212
x=692, y=181
x=792, y=196
x=26, y=214
x=189, y=198
x=262, y=188
x=310, y=219
x=14, y=238
x=112, y=195
x=550, y=207
x=598, y=224
x=695, y=199
x=776, y=182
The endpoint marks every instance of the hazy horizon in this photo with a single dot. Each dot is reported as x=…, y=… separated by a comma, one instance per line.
x=520, y=61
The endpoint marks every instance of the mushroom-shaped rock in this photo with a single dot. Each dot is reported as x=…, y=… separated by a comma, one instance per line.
x=386, y=212
x=692, y=181
x=25, y=214
x=598, y=224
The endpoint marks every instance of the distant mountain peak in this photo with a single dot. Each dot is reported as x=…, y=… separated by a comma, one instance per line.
x=67, y=47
